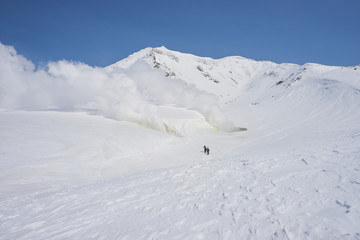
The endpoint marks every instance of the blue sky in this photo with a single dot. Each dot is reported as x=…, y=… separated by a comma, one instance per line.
x=100, y=33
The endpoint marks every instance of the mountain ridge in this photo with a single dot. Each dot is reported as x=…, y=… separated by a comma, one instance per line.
x=233, y=73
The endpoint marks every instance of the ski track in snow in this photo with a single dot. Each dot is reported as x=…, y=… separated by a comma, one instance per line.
x=218, y=198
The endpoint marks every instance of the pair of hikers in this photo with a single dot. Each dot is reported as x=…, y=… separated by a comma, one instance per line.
x=206, y=150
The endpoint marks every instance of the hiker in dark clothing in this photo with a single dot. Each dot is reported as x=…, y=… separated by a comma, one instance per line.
x=205, y=149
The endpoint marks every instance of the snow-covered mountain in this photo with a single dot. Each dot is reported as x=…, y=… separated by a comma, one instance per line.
x=227, y=77
x=116, y=152
x=294, y=90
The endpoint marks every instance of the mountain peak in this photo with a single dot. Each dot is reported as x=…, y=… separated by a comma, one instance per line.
x=161, y=48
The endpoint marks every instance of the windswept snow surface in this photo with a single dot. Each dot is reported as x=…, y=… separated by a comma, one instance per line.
x=116, y=153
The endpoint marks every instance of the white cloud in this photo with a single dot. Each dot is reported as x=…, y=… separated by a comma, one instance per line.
x=125, y=94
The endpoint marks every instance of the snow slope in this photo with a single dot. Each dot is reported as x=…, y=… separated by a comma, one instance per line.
x=96, y=172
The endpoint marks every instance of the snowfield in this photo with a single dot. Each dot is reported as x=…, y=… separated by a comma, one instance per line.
x=117, y=153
